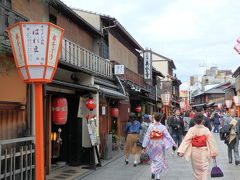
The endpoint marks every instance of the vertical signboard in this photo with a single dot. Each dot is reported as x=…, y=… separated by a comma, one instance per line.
x=147, y=56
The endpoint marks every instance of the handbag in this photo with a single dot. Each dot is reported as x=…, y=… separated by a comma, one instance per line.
x=144, y=157
x=216, y=171
x=139, y=144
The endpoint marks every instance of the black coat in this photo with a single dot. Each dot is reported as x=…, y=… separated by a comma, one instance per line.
x=206, y=123
x=177, y=126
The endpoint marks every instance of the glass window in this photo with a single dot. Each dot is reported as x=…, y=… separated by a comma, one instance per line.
x=6, y=3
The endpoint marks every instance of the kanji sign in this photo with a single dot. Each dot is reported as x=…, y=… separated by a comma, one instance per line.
x=147, y=56
x=119, y=69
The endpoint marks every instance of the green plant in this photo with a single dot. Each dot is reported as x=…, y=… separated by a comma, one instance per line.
x=115, y=137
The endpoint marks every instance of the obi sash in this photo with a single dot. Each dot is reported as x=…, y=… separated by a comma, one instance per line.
x=199, y=141
x=156, y=135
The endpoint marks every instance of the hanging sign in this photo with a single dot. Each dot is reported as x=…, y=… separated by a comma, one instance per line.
x=147, y=56
x=118, y=69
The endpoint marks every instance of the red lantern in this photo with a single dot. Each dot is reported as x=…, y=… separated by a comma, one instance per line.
x=60, y=111
x=114, y=112
x=90, y=103
x=138, y=109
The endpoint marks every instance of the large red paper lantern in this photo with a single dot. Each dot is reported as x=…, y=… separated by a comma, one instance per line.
x=60, y=111
x=114, y=112
x=138, y=109
x=90, y=104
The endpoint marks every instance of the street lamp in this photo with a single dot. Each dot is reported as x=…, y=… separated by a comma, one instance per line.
x=228, y=103
x=166, y=99
x=219, y=105
x=236, y=100
x=36, y=48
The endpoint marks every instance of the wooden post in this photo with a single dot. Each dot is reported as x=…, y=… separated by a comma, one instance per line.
x=39, y=131
x=238, y=108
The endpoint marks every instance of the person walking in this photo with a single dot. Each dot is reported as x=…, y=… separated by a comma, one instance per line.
x=144, y=126
x=199, y=146
x=206, y=120
x=186, y=121
x=156, y=141
x=132, y=129
x=177, y=127
x=233, y=124
x=216, y=121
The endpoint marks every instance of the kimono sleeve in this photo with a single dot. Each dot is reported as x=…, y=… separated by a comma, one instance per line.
x=212, y=145
x=186, y=142
x=168, y=140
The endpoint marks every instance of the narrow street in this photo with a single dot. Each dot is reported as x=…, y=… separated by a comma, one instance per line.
x=179, y=169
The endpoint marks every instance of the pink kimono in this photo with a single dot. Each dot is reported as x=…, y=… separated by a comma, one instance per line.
x=156, y=141
x=200, y=154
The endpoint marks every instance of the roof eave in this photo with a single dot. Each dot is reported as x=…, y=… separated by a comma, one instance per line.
x=75, y=15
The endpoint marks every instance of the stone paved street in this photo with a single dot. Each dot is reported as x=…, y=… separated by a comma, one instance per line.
x=179, y=169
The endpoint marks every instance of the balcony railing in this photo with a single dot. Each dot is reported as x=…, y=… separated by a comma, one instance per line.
x=83, y=59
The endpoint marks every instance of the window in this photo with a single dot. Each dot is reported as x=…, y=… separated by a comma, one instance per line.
x=6, y=3
x=52, y=19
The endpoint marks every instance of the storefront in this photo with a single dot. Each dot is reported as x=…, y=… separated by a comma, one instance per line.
x=65, y=140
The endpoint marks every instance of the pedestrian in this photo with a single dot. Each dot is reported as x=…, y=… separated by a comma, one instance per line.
x=206, y=121
x=132, y=129
x=186, y=121
x=156, y=141
x=233, y=138
x=177, y=127
x=216, y=121
x=144, y=126
x=199, y=146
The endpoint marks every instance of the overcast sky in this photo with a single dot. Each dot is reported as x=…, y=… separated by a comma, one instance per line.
x=188, y=31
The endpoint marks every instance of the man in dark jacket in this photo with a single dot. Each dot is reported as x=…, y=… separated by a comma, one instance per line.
x=177, y=126
x=206, y=121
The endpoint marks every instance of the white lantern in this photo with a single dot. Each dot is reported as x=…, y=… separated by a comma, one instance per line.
x=166, y=99
x=236, y=100
x=219, y=105
x=228, y=103
x=36, y=48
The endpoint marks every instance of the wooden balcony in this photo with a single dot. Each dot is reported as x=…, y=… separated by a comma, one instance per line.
x=83, y=59
x=131, y=76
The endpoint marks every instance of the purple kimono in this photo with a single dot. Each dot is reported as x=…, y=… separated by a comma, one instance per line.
x=156, y=148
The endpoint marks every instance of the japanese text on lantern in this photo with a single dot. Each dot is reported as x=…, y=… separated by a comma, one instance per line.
x=35, y=44
x=54, y=39
x=17, y=43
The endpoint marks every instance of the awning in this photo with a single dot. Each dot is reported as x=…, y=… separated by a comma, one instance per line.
x=112, y=93
x=73, y=86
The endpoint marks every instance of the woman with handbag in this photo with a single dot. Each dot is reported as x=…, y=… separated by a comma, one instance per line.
x=200, y=146
x=156, y=141
x=131, y=147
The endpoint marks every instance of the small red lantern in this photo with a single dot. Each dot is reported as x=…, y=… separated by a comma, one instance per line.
x=60, y=111
x=138, y=109
x=114, y=112
x=90, y=103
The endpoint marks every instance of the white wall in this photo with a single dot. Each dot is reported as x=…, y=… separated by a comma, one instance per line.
x=91, y=18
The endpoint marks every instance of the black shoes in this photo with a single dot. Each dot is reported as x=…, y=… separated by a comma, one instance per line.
x=153, y=176
x=135, y=165
x=237, y=162
x=126, y=161
x=230, y=162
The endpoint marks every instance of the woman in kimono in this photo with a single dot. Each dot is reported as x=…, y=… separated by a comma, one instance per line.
x=199, y=145
x=156, y=141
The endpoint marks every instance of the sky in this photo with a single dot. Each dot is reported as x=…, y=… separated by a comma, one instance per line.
x=191, y=32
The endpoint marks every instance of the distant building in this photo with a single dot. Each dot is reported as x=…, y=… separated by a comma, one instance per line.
x=211, y=96
x=170, y=82
x=213, y=76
